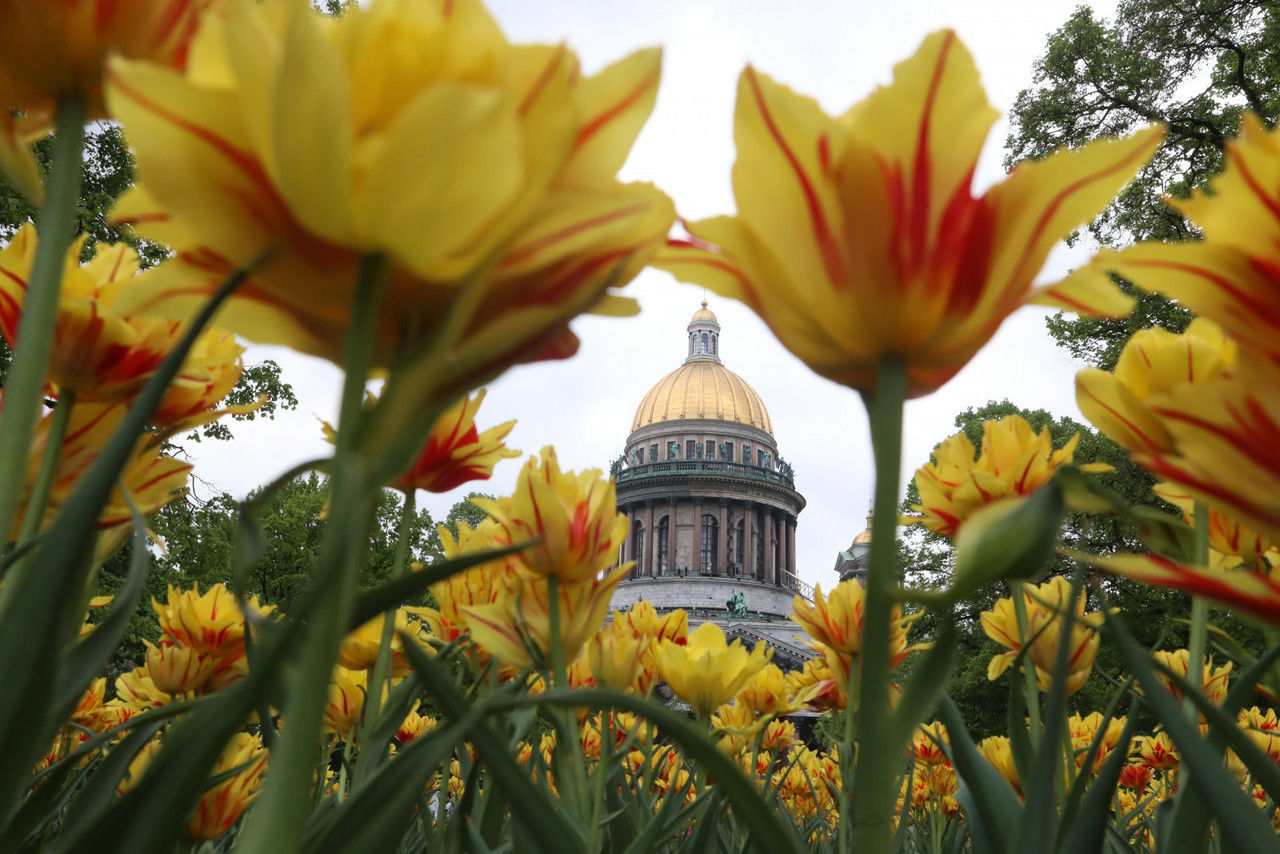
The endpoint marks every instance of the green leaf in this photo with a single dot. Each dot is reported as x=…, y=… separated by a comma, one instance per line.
x=377, y=812
x=928, y=679
x=993, y=808
x=1009, y=539
x=1087, y=827
x=86, y=659
x=762, y=823
x=530, y=806
x=1241, y=823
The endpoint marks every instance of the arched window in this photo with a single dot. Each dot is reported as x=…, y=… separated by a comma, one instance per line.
x=709, y=541
x=706, y=345
x=664, y=529
x=637, y=547
x=739, y=559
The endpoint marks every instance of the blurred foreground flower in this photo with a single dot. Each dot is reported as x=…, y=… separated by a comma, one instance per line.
x=150, y=478
x=1013, y=461
x=857, y=237
x=1045, y=604
x=1221, y=438
x=468, y=163
x=56, y=48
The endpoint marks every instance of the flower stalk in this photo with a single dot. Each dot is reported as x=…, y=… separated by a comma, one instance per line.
x=24, y=382
x=875, y=766
x=43, y=485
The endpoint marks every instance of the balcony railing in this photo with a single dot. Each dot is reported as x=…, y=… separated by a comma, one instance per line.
x=788, y=581
x=681, y=468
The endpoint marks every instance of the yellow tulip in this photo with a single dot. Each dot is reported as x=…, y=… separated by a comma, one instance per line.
x=574, y=517
x=857, y=236
x=997, y=750
x=345, y=707
x=835, y=621
x=455, y=451
x=421, y=135
x=927, y=744
x=139, y=691
x=59, y=47
x=480, y=585
x=211, y=622
x=768, y=693
x=706, y=671
x=1083, y=730
x=1153, y=364
x=1044, y=602
x=1157, y=751
x=1013, y=461
x=1213, y=682
x=210, y=372
x=738, y=724
x=98, y=351
x=1230, y=542
x=359, y=649
x=151, y=478
x=179, y=669
x=221, y=805
x=615, y=659
x=516, y=628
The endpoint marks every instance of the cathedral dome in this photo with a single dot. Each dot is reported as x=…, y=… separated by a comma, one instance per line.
x=702, y=389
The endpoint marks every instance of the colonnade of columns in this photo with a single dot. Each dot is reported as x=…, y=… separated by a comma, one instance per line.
x=767, y=551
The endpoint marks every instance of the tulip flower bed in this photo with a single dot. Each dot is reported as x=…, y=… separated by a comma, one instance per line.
x=406, y=193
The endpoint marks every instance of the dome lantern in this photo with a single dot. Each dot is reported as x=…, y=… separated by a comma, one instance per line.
x=704, y=336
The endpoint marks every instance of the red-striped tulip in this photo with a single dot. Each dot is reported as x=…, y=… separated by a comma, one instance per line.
x=858, y=236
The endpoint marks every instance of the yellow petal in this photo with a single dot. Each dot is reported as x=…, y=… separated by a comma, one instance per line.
x=465, y=146
x=614, y=105
x=312, y=131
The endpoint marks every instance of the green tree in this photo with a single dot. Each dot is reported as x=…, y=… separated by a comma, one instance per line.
x=199, y=538
x=1193, y=65
x=1152, y=614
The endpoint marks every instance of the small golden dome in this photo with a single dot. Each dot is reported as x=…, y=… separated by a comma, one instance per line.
x=704, y=313
x=702, y=389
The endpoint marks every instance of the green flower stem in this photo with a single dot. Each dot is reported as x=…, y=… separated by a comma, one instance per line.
x=876, y=765
x=284, y=804
x=1018, y=593
x=40, y=490
x=56, y=223
x=1197, y=640
x=372, y=756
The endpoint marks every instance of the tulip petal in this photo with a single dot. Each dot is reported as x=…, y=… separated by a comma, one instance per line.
x=614, y=105
x=1246, y=191
x=928, y=128
x=1118, y=413
x=781, y=178
x=1040, y=203
x=465, y=144
x=1248, y=592
x=190, y=143
x=311, y=128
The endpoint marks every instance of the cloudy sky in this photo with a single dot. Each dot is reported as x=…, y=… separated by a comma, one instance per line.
x=834, y=51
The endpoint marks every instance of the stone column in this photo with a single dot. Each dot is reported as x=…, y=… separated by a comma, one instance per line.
x=753, y=548
x=671, y=536
x=791, y=546
x=770, y=547
x=647, y=559
x=695, y=566
x=722, y=540
x=624, y=554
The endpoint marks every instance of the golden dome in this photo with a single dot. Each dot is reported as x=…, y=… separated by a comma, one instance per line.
x=702, y=389
x=704, y=313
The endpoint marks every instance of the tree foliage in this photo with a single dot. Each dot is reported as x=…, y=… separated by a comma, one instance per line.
x=1194, y=66
x=1153, y=615
x=199, y=538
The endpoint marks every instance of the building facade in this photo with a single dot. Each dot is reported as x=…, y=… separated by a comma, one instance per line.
x=711, y=506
